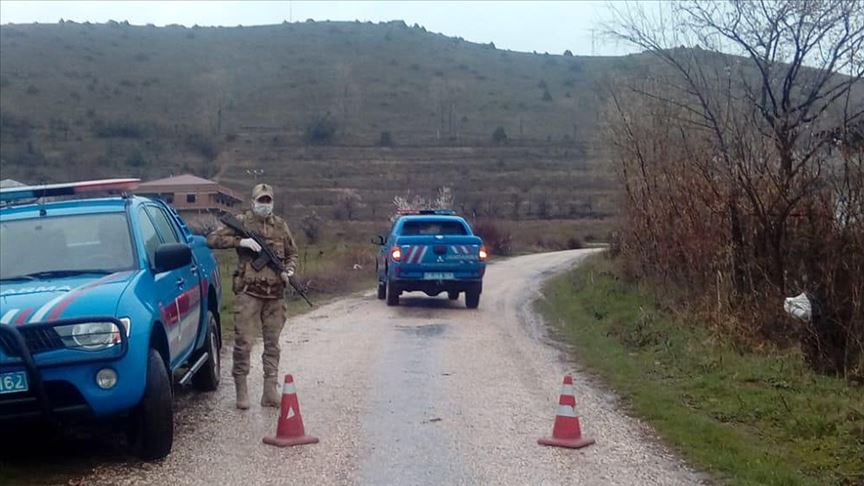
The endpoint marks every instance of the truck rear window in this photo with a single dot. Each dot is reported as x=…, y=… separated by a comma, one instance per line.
x=414, y=228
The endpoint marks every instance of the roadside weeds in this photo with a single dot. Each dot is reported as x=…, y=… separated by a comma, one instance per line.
x=746, y=418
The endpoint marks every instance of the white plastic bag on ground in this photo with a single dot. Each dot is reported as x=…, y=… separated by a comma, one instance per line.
x=799, y=307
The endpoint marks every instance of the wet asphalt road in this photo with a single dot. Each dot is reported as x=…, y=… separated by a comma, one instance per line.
x=425, y=393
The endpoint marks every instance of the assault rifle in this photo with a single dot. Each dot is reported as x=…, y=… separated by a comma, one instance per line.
x=265, y=256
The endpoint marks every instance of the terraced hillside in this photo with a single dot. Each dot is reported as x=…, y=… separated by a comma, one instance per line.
x=324, y=108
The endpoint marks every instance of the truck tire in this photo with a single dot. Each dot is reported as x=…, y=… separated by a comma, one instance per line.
x=151, y=431
x=207, y=378
x=382, y=290
x=472, y=299
x=392, y=294
x=452, y=295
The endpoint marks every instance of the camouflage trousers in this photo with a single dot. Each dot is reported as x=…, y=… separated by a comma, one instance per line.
x=251, y=313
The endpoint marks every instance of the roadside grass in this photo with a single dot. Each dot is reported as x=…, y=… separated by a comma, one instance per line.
x=745, y=417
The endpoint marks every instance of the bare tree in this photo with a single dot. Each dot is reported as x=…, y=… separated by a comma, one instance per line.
x=745, y=157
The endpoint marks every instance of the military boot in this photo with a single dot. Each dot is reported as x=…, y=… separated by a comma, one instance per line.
x=242, y=392
x=270, y=397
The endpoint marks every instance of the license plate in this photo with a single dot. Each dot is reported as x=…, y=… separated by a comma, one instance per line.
x=437, y=276
x=13, y=382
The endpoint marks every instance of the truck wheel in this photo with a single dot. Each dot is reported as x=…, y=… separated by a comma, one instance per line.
x=207, y=378
x=392, y=294
x=472, y=299
x=151, y=431
x=453, y=295
x=382, y=290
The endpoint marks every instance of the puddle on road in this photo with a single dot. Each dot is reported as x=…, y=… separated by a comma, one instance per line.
x=425, y=330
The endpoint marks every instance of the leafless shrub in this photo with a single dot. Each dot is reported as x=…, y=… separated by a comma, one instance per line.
x=347, y=205
x=743, y=176
x=444, y=198
x=497, y=240
x=575, y=243
x=203, y=144
x=312, y=224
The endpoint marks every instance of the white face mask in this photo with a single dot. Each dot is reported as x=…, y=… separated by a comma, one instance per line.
x=262, y=209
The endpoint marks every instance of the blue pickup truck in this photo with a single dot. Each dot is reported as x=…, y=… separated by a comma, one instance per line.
x=431, y=251
x=104, y=302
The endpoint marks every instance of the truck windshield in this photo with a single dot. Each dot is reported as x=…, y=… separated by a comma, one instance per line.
x=413, y=228
x=64, y=245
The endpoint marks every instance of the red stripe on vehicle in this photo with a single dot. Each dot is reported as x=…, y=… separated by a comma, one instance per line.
x=169, y=314
x=417, y=254
x=179, y=307
x=188, y=300
x=78, y=292
x=22, y=317
x=409, y=253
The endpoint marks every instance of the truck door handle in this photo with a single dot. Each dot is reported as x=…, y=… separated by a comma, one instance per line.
x=180, y=281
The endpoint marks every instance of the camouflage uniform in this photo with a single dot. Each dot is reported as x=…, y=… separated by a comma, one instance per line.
x=259, y=296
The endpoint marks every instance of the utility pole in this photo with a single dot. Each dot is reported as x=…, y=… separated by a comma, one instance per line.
x=593, y=44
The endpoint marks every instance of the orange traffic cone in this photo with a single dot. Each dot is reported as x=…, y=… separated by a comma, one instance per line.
x=566, y=432
x=289, y=427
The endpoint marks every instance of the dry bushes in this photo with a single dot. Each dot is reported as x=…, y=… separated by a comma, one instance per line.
x=335, y=270
x=497, y=239
x=744, y=177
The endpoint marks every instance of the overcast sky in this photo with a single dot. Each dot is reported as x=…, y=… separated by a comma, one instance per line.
x=522, y=26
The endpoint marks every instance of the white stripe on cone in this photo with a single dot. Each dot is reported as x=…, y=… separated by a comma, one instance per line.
x=567, y=390
x=288, y=389
x=566, y=411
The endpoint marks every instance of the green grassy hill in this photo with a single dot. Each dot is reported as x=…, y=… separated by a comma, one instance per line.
x=308, y=103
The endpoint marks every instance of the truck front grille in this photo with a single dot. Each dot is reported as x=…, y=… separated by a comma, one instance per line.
x=38, y=340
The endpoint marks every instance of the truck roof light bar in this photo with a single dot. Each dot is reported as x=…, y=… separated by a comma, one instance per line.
x=67, y=189
x=440, y=212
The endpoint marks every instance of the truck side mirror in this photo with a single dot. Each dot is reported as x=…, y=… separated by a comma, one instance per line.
x=378, y=240
x=171, y=256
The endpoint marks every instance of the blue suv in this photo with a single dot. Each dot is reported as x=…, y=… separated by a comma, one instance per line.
x=102, y=302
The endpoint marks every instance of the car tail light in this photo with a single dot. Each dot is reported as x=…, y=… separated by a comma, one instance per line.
x=396, y=253
x=483, y=254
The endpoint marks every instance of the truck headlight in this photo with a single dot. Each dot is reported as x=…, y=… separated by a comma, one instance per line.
x=94, y=336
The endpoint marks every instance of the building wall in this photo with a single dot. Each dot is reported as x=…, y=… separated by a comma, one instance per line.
x=193, y=197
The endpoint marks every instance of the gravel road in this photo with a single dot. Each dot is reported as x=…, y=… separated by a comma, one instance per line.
x=425, y=393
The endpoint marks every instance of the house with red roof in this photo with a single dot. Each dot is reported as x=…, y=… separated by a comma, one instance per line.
x=188, y=193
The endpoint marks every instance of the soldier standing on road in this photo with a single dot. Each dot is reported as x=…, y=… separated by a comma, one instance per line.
x=259, y=295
